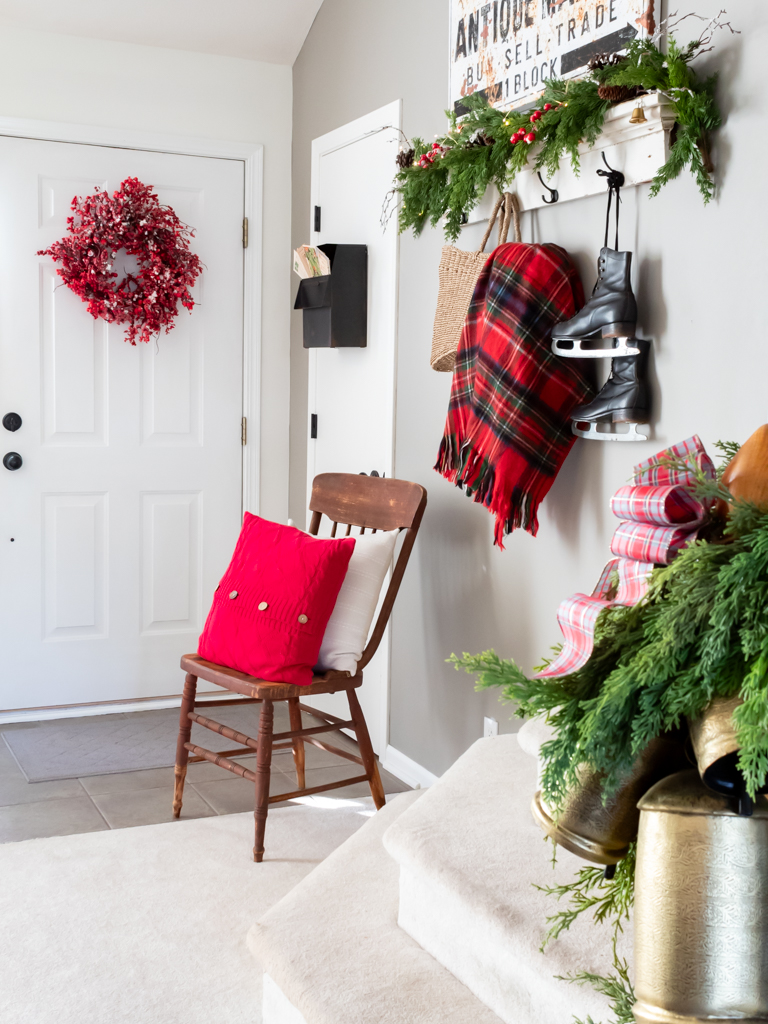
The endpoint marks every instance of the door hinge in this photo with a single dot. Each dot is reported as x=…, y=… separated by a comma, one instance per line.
x=243, y=431
x=313, y=425
x=317, y=218
x=245, y=235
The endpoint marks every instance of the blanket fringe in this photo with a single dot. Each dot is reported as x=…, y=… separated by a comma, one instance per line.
x=514, y=507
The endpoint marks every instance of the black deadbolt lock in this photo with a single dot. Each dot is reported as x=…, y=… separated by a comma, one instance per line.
x=11, y=421
x=12, y=460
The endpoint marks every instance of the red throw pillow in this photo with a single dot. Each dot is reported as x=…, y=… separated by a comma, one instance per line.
x=273, y=603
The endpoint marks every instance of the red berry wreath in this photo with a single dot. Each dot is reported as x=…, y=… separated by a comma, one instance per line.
x=131, y=219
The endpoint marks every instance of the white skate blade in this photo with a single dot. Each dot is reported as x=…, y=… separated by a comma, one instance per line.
x=583, y=348
x=610, y=433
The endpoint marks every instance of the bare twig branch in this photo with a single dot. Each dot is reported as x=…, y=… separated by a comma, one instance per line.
x=696, y=46
x=388, y=208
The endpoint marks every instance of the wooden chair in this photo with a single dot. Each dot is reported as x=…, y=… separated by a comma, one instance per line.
x=370, y=503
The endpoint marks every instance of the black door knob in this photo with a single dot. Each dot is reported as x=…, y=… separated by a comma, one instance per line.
x=12, y=460
x=11, y=421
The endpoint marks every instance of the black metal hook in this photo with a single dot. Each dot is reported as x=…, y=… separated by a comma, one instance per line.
x=615, y=178
x=552, y=191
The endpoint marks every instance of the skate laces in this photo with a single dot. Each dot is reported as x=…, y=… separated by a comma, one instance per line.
x=615, y=181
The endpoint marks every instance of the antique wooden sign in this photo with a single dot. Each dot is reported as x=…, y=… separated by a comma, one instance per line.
x=509, y=48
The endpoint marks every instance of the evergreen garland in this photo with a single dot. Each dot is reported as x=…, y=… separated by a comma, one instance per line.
x=701, y=632
x=489, y=147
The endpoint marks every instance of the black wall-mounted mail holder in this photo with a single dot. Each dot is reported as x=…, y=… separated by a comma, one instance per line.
x=336, y=305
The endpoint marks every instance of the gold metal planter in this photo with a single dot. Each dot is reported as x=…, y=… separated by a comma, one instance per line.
x=601, y=833
x=701, y=907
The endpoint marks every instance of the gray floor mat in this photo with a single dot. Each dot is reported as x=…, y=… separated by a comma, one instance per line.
x=70, y=748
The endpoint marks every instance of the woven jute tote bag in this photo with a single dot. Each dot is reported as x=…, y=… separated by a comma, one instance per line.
x=458, y=274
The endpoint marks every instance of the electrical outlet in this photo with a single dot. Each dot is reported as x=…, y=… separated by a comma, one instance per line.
x=490, y=727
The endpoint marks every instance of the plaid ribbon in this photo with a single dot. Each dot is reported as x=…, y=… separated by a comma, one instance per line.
x=656, y=470
x=662, y=506
x=643, y=543
x=633, y=581
x=661, y=516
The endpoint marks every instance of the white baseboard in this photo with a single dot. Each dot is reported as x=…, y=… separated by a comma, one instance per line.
x=116, y=708
x=407, y=770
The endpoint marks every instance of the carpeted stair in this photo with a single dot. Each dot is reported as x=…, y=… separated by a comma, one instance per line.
x=429, y=914
x=470, y=856
x=332, y=952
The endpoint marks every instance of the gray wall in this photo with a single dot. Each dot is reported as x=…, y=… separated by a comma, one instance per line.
x=700, y=276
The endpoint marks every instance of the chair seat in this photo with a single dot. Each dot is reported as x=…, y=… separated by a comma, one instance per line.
x=251, y=686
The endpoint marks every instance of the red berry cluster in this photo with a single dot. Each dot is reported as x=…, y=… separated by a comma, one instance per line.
x=521, y=135
x=131, y=219
x=427, y=159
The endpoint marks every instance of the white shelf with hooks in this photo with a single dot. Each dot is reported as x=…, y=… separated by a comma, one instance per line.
x=638, y=150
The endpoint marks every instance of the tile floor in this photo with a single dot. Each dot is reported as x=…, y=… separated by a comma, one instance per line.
x=34, y=810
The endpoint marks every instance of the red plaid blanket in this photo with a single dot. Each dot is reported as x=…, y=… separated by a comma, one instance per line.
x=508, y=429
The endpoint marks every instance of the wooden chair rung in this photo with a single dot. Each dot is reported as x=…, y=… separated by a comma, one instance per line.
x=221, y=761
x=336, y=750
x=223, y=730
x=338, y=722
x=237, y=752
x=314, y=729
x=278, y=798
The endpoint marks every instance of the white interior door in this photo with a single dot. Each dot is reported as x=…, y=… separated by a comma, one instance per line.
x=117, y=527
x=352, y=391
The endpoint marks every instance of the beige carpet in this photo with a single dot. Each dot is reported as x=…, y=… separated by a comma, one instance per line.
x=147, y=925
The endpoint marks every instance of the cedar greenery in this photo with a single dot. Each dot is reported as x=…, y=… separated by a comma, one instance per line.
x=477, y=150
x=701, y=632
x=609, y=900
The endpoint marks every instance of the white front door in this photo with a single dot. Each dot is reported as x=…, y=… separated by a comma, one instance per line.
x=352, y=391
x=125, y=511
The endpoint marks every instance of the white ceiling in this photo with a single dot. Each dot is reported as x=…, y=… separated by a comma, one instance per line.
x=268, y=30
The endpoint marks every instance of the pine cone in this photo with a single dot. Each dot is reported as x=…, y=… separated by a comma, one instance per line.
x=405, y=157
x=616, y=93
x=481, y=139
x=604, y=60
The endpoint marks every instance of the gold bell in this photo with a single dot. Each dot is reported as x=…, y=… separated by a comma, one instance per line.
x=598, y=832
x=701, y=907
x=716, y=747
x=638, y=116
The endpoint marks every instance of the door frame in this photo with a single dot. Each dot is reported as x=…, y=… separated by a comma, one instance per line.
x=391, y=114
x=347, y=135
x=251, y=155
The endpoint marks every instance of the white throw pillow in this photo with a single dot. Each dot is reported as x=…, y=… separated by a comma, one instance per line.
x=347, y=629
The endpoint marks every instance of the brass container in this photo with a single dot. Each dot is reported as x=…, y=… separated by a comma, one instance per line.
x=598, y=832
x=701, y=907
x=716, y=748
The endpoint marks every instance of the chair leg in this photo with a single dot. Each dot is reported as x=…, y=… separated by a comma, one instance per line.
x=185, y=730
x=298, y=744
x=263, y=766
x=366, y=750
